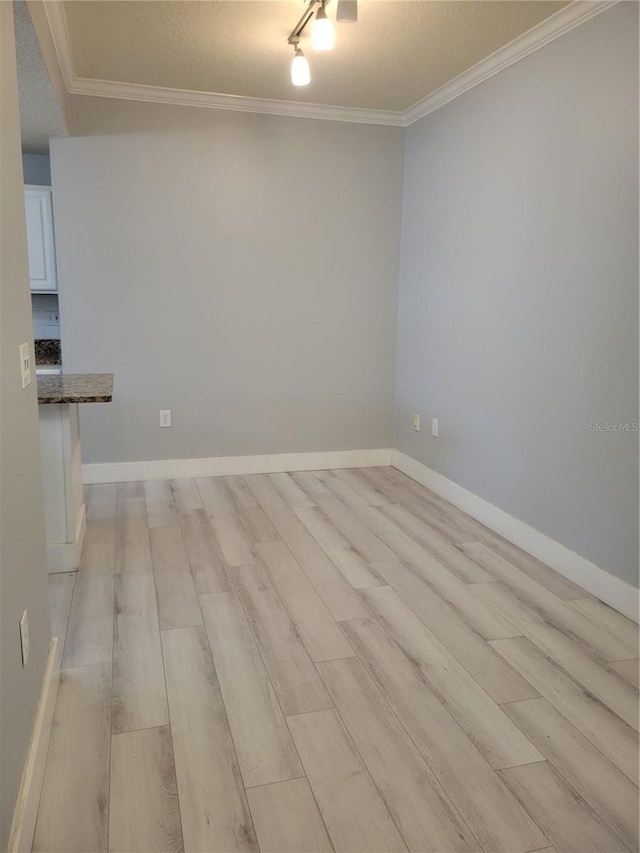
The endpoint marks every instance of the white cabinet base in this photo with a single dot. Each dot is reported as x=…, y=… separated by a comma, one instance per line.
x=62, y=480
x=65, y=556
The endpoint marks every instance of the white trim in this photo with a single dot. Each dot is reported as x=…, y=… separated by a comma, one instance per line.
x=557, y=25
x=169, y=469
x=65, y=556
x=236, y=103
x=561, y=22
x=54, y=12
x=607, y=587
x=26, y=810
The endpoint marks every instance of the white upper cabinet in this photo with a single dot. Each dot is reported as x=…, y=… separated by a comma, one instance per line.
x=42, y=251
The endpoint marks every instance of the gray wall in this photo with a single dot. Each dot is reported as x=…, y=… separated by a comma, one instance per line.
x=241, y=270
x=23, y=578
x=37, y=169
x=518, y=310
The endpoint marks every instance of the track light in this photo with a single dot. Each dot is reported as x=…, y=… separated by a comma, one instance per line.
x=322, y=37
x=300, y=74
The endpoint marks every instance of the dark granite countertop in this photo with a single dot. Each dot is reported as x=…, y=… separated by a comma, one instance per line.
x=75, y=388
x=47, y=350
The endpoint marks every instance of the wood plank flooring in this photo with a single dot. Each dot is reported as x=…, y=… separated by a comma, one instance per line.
x=330, y=661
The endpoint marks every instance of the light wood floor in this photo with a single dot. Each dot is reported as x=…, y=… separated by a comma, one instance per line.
x=330, y=661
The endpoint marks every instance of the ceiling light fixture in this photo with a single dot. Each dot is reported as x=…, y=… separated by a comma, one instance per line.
x=300, y=74
x=347, y=12
x=322, y=35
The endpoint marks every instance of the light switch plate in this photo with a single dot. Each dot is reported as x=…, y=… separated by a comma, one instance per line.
x=25, y=364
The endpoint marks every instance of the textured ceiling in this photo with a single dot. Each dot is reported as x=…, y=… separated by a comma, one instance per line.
x=40, y=115
x=396, y=54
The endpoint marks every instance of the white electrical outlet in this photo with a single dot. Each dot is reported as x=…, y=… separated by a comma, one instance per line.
x=24, y=637
x=25, y=365
x=165, y=418
x=434, y=427
x=416, y=423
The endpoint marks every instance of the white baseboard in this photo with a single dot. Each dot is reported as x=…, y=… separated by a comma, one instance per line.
x=607, y=587
x=173, y=469
x=65, y=556
x=26, y=810
x=595, y=580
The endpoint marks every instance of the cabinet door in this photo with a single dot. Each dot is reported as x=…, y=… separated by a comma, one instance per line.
x=42, y=257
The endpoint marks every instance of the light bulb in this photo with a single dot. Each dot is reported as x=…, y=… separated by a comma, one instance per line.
x=300, y=74
x=322, y=37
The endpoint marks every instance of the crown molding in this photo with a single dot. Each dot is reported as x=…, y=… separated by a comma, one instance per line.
x=237, y=103
x=557, y=25
x=57, y=21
